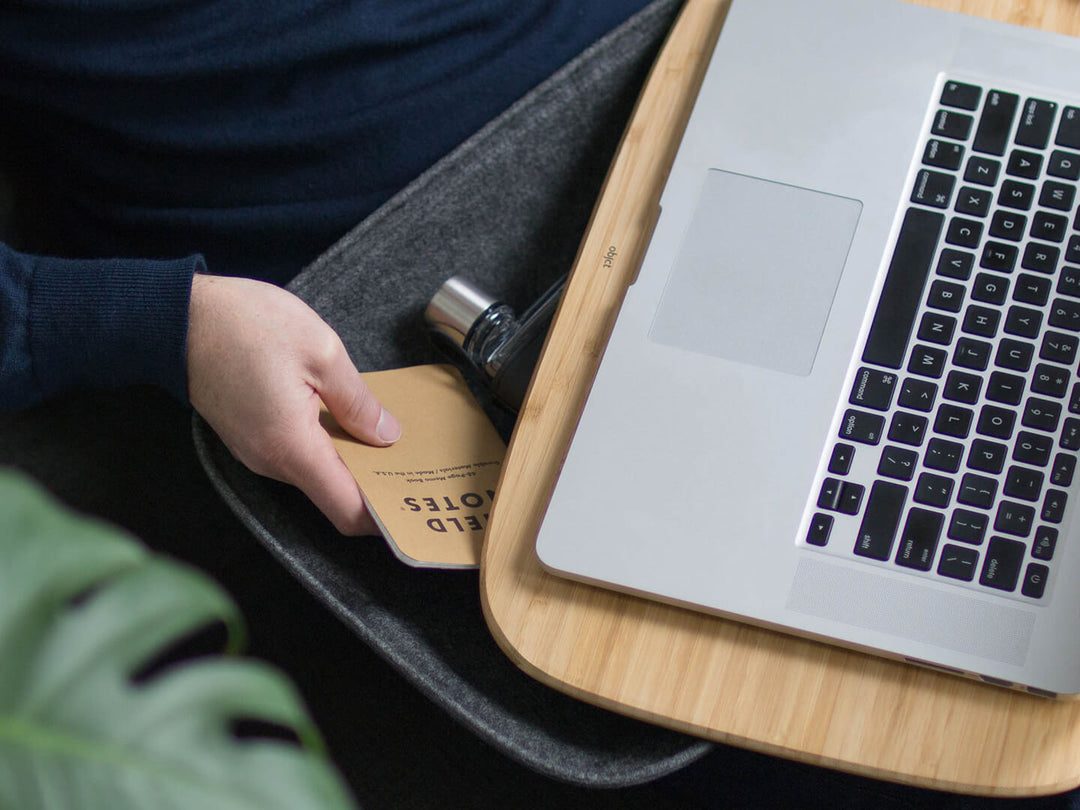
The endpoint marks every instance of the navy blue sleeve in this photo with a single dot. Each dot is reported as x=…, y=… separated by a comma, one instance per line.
x=69, y=324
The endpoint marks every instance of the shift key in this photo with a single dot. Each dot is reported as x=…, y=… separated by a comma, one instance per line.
x=992, y=135
x=881, y=520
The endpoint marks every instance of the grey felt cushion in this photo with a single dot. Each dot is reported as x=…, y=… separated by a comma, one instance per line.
x=507, y=209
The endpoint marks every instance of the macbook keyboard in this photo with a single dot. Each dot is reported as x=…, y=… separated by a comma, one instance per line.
x=959, y=440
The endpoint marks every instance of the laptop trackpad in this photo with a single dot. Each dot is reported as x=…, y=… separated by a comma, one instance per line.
x=757, y=272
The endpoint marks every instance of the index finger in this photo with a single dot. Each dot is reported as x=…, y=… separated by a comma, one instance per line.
x=319, y=473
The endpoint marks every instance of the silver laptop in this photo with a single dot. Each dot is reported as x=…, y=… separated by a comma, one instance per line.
x=841, y=397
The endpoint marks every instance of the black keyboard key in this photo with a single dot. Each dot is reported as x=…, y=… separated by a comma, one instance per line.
x=1042, y=547
x=1065, y=314
x=1050, y=380
x=943, y=154
x=1064, y=164
x=958, y=562
x=1014, y=354
x=1068, y=134
x=1036, y=122
x=941, y=454
x=1018, y=195
x=945, y=295
x=996, y=422
x=1061, y=474
x=933, y=490
x=1005, y=388
x=1023, y=322
x=1050, y=227
x=981, y=321
x=829, y=494
x=1059, y=196
x=1058, y=347
x=1074, y=399
x=862, y=427
x=952, y=420
x=1032, y=289
x=963, y=387
x=1072, y=250
x=908, y=428
x=964, y=232
x=968, y=527
x=990, y=288
x=919, y=540
x=1023, y=483
x=1014, y=518
x=918, y=395
x=974, y=201
x=1069, y=281
x=977, y=490
x=873, y=388
x=898, y=463
x=992, y=135
x=1004, y=225
x=936, y=328
x=982, y=170
x=1070, y=434
x=1033, y=448
x=1035, y=580
x=1001, y=566
x=951, y=124
x=1024, y=164
x=1041, y=414
x=1042, y=258
x=880, y=520
x=927, y=361
x=841, y=458
x=971, y=353
x=955, y=264
x=933, y=188
x=999, y=256
x=820, y=529
x=909, y=268
x=851, y=496
x=962, y=95
x=987, y=456
x=1053, y=508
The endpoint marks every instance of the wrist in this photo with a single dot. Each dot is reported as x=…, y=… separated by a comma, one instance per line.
x=103, y=324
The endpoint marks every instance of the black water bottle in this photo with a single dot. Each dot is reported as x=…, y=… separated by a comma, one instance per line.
x=491, y=336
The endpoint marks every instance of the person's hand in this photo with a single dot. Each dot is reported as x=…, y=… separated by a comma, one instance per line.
x=259, y=361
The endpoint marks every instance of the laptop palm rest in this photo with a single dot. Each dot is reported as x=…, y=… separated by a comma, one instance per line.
x=756, y=274
x=911, y=610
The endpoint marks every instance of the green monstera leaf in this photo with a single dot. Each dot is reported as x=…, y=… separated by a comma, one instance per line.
x=84, y=611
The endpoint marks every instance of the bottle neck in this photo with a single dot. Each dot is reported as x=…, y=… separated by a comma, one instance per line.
x=488, y=335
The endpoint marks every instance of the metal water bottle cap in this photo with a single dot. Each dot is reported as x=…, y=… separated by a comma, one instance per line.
x=456, y=306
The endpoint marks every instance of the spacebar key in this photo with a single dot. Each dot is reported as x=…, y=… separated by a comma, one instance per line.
x=900, y=296
x=881, y=520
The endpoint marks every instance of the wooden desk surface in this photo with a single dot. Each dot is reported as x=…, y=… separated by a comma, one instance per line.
x=708, y=676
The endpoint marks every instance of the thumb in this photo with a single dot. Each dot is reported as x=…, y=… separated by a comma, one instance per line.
x=353, y=404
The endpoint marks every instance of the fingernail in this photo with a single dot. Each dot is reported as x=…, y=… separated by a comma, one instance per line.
x=389, y=429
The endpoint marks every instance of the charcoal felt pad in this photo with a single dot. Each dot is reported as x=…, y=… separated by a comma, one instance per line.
x=507, y=209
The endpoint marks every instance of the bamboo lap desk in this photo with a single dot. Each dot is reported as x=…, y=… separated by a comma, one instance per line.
x=704, y=675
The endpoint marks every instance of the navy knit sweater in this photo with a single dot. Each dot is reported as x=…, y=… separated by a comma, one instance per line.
x=249, y=133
